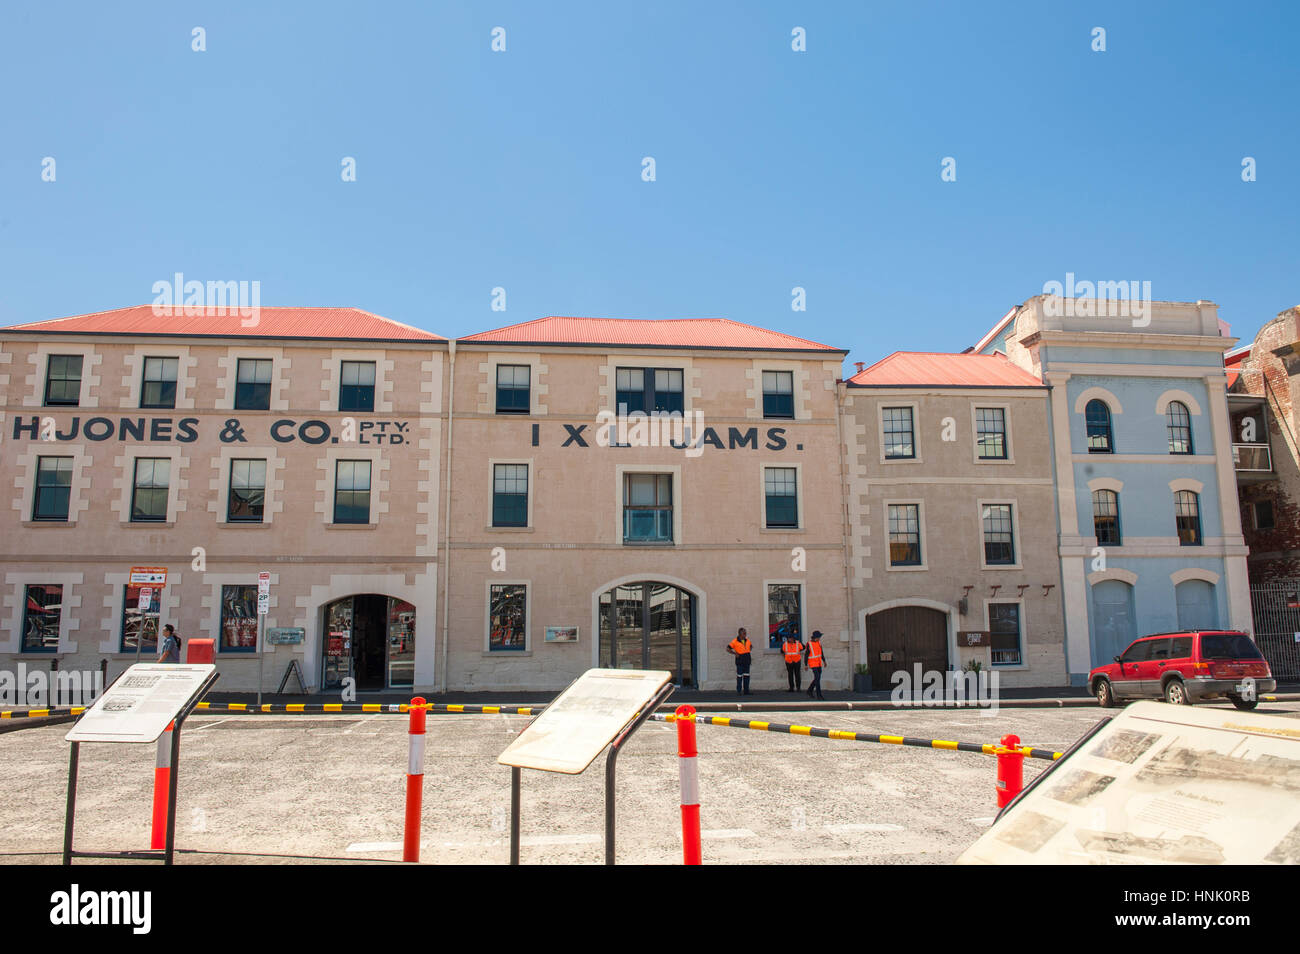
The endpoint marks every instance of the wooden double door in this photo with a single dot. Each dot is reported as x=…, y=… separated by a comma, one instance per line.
x=899, y=638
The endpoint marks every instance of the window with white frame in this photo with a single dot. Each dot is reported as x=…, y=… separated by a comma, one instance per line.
x=900, y=443
x=991, y=433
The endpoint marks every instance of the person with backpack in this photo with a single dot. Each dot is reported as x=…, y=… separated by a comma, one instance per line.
x=169, y=650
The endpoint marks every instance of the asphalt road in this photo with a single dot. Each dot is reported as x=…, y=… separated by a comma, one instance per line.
x=302, y=789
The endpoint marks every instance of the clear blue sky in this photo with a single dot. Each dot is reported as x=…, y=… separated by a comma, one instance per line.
x=522, y=169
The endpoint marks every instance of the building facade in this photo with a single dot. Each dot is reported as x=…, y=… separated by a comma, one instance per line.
x=952, y=507
x=304, y=446
x=627, y=494
x=1150, y=530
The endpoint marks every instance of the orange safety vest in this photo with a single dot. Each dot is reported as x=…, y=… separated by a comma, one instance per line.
x=791, y=650
x=741, y=647
x=815, y=654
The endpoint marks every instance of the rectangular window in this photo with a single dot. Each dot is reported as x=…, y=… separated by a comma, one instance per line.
x=247, y=491
x=508, y=618
x=780, y=486
x=159, y=386
x=513, y=382
x=649, y=389
x=1004, y=633
x=239, y=619
x=356, y=386
x=784, y=613
x=253, y=384
x=999, y=540
x=899, y=444
x=647, y=508
x=904, y=535
x=1263, y=515
x=778, y=394
x=41, y=618
x=1105, y=517
x=991, y=433
x=53, y=488
x=509, y=495
x=63, y=380
x=352, y=491
x=149, y=492
x=1187, y=518
x=140, y=626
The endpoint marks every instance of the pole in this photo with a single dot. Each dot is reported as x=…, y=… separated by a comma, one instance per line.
x=414, y=782
x=261, y=651
x=515, y=774
x=162, y=773
x=692, y=852
x=170, y=849
x=72, y=803
x=1011, y=770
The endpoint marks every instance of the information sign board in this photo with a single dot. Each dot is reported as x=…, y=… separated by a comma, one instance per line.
x=140, y=704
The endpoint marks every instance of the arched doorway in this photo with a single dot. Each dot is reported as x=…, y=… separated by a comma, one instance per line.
x=1196, y=605
x=901, y=637
x=1114, y=622
x=370, y=638
x=649, y=625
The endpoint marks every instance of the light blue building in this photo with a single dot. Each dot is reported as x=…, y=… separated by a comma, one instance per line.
x=1147, y=515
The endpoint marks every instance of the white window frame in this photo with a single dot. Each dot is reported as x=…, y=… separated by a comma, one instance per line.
x=675, y=470
x=920, y=513
x=1015, y=532
x=1006, y=434
x=798, y=496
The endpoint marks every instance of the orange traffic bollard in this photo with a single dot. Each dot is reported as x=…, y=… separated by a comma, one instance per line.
x=1011, y=770
x=162, y=779
x=414, y=783
x=692, y=853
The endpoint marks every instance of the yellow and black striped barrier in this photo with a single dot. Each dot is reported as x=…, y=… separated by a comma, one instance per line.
x=336, y=707
x=846, y=736
x=42, y=713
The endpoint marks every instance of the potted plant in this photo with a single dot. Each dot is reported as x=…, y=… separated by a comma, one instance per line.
x=861, y=678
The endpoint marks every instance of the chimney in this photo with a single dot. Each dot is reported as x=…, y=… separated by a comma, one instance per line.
x=860, y=365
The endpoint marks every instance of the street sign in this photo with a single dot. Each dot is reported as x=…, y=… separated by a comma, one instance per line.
x=139, y=705
x=263, y=603
x=146, y=598
x=974, y=637
x=263, y=583
x=586, y=717
x=148, y=576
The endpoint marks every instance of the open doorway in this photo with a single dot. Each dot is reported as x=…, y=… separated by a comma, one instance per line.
x=370, y=639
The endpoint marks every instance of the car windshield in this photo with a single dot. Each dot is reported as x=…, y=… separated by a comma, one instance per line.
x=1229, y=646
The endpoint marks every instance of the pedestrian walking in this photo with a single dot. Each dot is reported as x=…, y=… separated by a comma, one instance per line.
x=815, y=660
x=793, y=649
x=743, y=650
x=169, y=650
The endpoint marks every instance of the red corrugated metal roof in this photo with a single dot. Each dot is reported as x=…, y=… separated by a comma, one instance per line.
x=670, y=333
x=272, y=322
x=924, y=368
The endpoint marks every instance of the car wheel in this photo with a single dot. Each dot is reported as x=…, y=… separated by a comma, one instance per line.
x=1105, y=698
x=1241, y=703
x=1176, y=693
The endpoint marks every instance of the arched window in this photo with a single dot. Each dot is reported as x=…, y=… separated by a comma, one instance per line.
x=1097, y=416
x=1105, y=517
x=1180, y=428
x=1187, y=515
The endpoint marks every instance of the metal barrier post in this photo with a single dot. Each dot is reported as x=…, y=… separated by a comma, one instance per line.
x=414, y=782
x=1011, y=770
x=162, y=772
x=692, y=853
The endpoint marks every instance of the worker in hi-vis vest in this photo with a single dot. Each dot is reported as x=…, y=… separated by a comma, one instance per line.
x=792, y=649
x=743, y=650
x=815, y=660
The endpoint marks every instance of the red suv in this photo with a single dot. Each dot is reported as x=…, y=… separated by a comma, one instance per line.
x=1184, y=668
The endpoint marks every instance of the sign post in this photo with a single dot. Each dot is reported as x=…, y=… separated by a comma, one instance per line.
x=138, y=707
x=147, y=578
x=601, y=708
x=263, y=606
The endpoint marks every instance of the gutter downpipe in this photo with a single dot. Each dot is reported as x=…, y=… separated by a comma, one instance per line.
x=446, y=519
x=841, y=394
